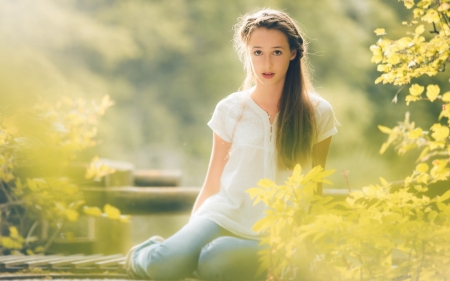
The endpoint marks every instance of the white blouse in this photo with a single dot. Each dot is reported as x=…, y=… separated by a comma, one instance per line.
x=238, y=120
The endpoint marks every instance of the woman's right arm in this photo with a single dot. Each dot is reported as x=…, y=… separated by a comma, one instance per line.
x=219, y=157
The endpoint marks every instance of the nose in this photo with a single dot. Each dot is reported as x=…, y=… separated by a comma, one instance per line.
x=268, y=61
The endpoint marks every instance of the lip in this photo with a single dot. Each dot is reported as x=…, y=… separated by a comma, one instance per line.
x=268, y=75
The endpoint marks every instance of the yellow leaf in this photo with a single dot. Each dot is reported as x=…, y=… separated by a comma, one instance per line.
x=297, y=170
x=408, y=3
x=422, y=168
x=39, y=249
x=384, y=129
x=435, y=144
x=392, y=60
x=382, y=68
x=423, y=178
x=439, y=164
x=417, y=14
x=431, y=16
x=262, y=225
x=383, y=182
x=92, y=211
x=357, y=194
x=439, y=132
x=379, y=79
x=420, y=29
x=266, y=183
x=111, y=212
x=9, y=243
x=379, y=31
x=404, y=42
x=383, y=148
x=410, y=98
x=13, y=233
x=414, y=134
x=416, y=90
x=71, y=215
x=443, y=7
x=444, y=196
x=327, y=173
x=377, y=58
x=432, y=92
x=446, y=97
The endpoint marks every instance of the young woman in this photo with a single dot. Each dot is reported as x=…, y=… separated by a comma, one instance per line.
x=263, y=131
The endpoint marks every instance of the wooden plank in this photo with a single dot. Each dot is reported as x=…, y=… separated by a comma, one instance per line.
x=19, y=262
x=91, y=262
x=110, y=262
x=65, y=262
x=10, y=257
x=45, y=261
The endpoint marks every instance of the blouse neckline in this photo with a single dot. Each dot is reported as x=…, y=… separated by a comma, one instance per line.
x=261, y=112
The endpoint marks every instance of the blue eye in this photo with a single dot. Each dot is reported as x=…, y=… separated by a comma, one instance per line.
x=257, y=53
x=277, y=53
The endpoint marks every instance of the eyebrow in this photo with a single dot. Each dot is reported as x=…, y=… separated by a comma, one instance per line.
x=276, y=47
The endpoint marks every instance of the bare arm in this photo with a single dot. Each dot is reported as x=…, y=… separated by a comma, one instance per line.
x=216, y=164
x=320, y=153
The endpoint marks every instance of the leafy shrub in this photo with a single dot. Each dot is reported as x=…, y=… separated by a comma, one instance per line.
x=375, y=234
x=37, y=144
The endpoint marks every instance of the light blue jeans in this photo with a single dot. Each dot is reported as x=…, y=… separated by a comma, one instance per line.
x=200, y=249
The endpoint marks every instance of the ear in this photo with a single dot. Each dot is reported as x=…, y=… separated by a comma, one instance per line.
x=293, y=54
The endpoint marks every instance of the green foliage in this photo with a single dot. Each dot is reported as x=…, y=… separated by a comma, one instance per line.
x=37, y=145
x=374, y=234
x=411, y=57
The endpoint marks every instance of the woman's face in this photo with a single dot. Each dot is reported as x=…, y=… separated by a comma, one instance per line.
x=270, y=55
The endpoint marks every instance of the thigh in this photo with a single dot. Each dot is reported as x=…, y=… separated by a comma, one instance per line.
x=230, y=258
x=177, y=257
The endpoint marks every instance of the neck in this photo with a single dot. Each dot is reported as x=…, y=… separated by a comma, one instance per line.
x=268, y=95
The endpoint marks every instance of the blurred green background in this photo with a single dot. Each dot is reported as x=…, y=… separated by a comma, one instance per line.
x=166, y=64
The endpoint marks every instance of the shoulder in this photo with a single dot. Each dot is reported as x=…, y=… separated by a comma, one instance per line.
x=321, y=106
x=231, y=101
x=233, y=98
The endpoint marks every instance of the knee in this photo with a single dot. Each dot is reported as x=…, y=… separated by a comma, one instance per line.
x=212, y=265
x=163, y=265
x=228, y=258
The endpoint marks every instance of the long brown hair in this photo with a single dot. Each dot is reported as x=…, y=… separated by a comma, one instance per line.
x=296, y=127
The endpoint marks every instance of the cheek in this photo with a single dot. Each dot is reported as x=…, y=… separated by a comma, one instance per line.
x=254, y=62
x=284, y=62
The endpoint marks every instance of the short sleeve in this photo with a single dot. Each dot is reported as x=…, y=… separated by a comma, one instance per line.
x=325, y=119
x=218, y=122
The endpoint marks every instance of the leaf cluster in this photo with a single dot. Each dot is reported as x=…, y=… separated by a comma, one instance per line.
x=377, y=233
x=417, y=54
x=37, y=144
x=412, y=57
